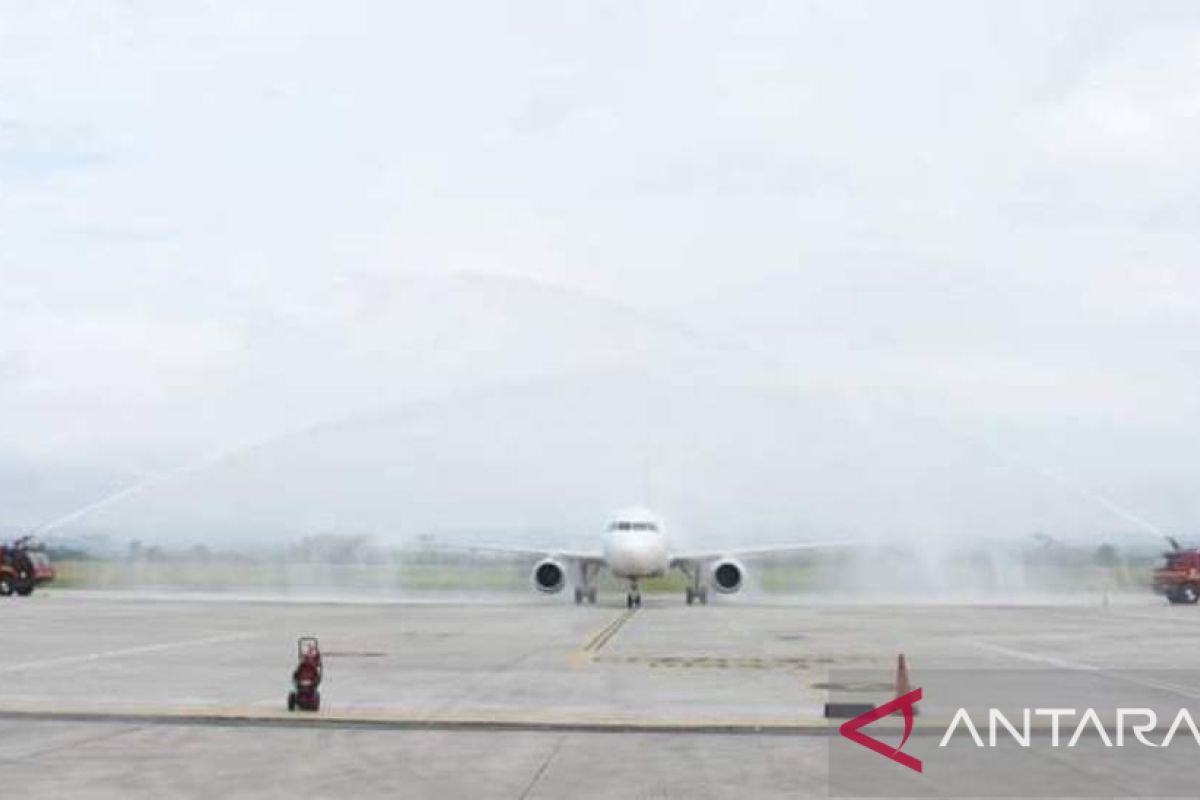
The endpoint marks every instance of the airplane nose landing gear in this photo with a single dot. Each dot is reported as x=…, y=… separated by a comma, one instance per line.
x=634, y=598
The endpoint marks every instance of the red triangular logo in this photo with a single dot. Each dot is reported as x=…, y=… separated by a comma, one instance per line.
x=850, y=729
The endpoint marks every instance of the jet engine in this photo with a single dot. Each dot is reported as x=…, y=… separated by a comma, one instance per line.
x=549, y=576
x=727, y=576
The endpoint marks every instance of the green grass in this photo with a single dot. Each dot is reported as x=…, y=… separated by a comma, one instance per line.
x=237, y=575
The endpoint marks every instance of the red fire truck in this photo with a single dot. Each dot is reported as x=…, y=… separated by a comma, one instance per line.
x=24, y=565
x=1179, y=576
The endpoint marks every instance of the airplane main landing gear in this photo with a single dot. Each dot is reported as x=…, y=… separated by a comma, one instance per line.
x=696, y=591
x=585, y=585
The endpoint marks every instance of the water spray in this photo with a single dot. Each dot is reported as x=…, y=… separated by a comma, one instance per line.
x=1077, y=488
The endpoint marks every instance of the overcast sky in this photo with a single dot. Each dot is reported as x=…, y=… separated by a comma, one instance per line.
x=221, y=223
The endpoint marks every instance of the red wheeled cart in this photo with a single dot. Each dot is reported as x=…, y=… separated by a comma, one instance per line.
x=306, y=678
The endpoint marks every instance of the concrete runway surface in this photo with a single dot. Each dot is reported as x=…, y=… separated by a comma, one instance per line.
x=128, y=695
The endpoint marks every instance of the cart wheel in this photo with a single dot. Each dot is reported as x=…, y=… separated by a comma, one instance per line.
x=291, y=701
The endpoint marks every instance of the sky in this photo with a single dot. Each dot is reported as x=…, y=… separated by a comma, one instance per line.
x=951, y=245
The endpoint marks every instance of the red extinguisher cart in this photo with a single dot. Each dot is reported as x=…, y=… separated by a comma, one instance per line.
x=306, y=678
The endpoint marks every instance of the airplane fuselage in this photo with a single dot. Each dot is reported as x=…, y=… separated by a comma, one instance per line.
x=636, y=553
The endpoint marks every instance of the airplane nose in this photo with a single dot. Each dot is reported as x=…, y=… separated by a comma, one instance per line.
x=634, y=554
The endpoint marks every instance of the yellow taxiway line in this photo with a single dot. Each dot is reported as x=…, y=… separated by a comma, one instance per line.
x=587, y=652
x=450, y=719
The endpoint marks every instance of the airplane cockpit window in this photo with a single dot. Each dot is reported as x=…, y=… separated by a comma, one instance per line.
x=632, y=526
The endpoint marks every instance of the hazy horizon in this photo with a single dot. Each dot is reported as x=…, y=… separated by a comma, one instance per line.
x=779, y=269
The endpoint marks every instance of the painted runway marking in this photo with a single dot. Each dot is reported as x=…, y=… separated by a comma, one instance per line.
x=399, y=719
x=1036, y=658
x=604, y=636
x=1169, y=688
x=128, y=651
x=1120, y=676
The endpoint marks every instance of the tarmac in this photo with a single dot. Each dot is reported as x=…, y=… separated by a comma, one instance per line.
x=109, y=694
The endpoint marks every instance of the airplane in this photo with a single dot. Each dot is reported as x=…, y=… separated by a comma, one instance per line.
x=634, y=547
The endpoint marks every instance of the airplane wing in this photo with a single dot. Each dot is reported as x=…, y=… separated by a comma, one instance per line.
x=531, y=552
x=749, y=552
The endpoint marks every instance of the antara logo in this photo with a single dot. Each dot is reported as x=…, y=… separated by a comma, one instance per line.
x=904, y=703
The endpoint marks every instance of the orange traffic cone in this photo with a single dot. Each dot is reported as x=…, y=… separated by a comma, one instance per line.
x=903, y=686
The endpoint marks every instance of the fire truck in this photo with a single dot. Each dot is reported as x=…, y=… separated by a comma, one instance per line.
x=1179, y=576
x=24, y=565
